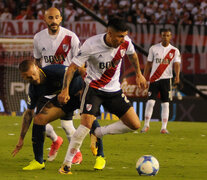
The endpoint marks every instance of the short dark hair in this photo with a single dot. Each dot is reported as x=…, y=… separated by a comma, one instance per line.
x=165, y=30
x=119, y=24
x=25, y=65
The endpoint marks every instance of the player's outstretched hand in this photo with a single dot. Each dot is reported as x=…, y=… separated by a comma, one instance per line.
x=17, y=148
x=141, y=81
x=63, y=97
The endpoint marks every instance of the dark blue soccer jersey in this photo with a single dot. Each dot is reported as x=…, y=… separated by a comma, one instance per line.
x=53, y=84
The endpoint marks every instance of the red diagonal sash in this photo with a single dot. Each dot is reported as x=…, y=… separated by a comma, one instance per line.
x=63, y=50
x=161, y=68
x=109, y=73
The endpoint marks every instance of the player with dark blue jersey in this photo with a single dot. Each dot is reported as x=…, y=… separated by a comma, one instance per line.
x=45, y=81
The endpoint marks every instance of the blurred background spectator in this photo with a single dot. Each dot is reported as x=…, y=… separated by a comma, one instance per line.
x=134, y=11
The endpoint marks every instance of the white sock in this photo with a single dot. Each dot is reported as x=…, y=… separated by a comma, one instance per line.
x=148, y=111
x=51, y=133
x=115, y=128
x=69, y=128
x=75, y=143
x=165, y=114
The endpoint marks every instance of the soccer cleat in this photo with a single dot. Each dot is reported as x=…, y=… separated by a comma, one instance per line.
x=54, y=149
x=65, y=169
x=34, y=165
x=93, y=146
x=100, y=163
x=145, y=129
x=164, y=131
x=77, y=159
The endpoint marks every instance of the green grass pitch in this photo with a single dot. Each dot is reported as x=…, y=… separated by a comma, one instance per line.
x=182, y=154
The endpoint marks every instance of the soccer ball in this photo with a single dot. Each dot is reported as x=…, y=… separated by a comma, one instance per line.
x=147, y=165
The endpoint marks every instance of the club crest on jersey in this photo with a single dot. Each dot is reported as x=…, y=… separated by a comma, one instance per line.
x=88, y=107
x=171, y=55
x=122, y=52
x=43, y=49
x=65, y=47
x=149, y=93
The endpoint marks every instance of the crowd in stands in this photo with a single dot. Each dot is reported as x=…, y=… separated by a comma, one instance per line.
x=134, y=11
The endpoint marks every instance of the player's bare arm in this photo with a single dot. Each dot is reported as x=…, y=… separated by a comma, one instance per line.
x=177, y=72
x=64, y=97
x=147, y=69
x=141, y=81
x=27, y=119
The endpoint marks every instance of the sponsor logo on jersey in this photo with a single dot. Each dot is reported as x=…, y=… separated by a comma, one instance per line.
x=88, y=107
x=107, y=65
x=163, y=61
x=65, y=47
x=54, y=59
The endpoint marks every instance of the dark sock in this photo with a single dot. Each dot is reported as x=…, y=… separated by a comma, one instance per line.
x=100, y=147
x=99, y=141
x=38, y=137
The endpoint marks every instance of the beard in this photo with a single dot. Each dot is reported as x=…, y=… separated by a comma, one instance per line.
x=52, y=29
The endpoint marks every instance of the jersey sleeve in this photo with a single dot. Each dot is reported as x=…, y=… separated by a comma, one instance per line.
x=177, y=57
x=130, y=49
x=83, y=54
x=37, y=54
x=150, y=55
x=75, y=46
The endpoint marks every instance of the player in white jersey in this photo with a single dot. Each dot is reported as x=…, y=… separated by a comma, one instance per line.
x=103, y=56
x=161, y=59
x=56, y=45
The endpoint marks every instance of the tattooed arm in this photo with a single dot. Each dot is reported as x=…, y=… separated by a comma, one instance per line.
x=27, y=119
x=64, y=97
x=141, y=81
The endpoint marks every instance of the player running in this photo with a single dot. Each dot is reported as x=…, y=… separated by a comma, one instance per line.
x=103, y=54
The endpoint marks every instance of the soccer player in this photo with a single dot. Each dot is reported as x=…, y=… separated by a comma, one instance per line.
x=56, y=45
x=103, y=55
x=160, y=61
x=44, y=81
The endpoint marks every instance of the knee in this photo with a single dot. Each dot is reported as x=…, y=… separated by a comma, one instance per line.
x=136, y=126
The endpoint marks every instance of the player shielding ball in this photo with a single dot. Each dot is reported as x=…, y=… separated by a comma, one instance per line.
x=160, y=61
x=103, y=55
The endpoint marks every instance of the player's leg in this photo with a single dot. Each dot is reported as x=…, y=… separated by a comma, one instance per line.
x=152, y=94
x=48, y=113
x=57, y=141
x=90, y=105
x=67, y=125
x=97, y=148
x=165, y=88
x=76, y=142
x=118, y=104
x=38, y=132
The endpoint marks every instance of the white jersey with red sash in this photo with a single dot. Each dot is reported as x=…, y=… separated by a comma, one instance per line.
x=103, y=62
x=162, y=59
x=59, y=49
